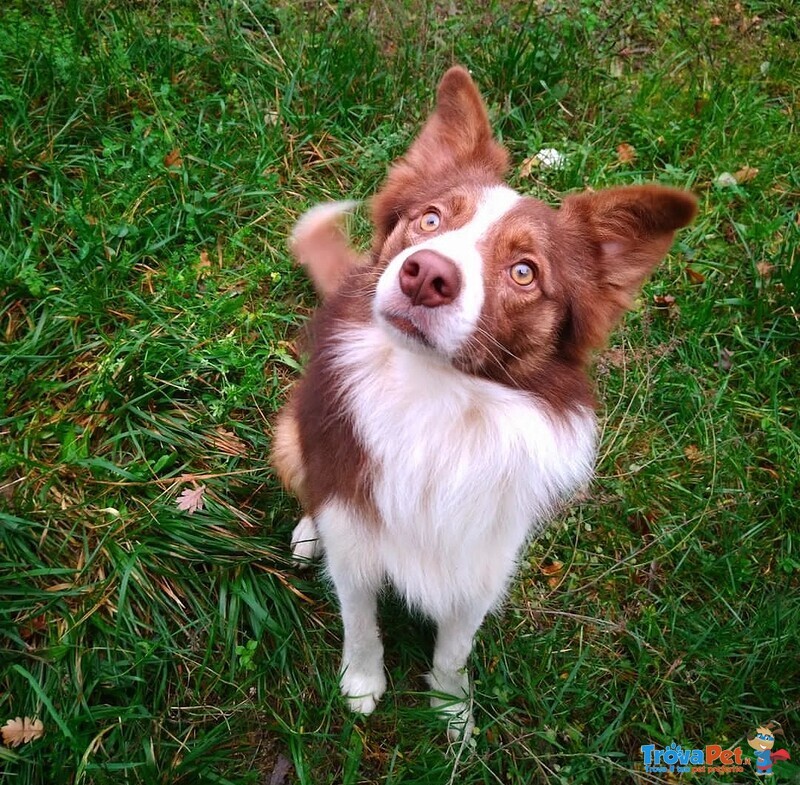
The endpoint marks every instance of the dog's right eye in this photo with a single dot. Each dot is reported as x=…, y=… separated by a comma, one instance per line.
x=430, y=221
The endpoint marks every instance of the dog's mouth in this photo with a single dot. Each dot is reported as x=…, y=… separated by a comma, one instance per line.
x=406, y=327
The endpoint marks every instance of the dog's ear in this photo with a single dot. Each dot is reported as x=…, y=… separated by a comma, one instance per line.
x=458, y=132
x=615, y=239
x=457, y=136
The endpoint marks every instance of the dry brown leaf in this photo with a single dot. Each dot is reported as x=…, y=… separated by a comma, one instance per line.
x=725, y=362
x=640, y=522
x=745, y=174
x=228, y=442
x=693, y=453
x=203, y=265
x=663, y=300
x=21, y=731
x=695, y=276
x=192, y=499
x=33, y=626
x=614, y=356
x=527, y=166
x=173, y=159
x=626, y=153
x=553, y=568
x=765, y=269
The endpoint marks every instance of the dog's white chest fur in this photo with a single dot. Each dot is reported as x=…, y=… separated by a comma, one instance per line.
x=464, y=468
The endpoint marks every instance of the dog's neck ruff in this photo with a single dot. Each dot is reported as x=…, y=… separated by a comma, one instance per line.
x=459, y=464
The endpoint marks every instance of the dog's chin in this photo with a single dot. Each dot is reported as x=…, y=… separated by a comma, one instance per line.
x=400, y=326
x=406, y=332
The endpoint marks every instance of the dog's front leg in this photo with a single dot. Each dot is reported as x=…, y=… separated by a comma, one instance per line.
x=449, y=677
x=363, y=679
x=357, y=578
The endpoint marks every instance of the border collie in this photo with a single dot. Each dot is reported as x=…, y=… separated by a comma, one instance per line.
x=446, y=410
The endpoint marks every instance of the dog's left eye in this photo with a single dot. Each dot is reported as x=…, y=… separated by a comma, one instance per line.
x=430, y=221
x=522, y=273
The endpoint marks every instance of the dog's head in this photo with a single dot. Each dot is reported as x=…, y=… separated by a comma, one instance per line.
x=498, y=283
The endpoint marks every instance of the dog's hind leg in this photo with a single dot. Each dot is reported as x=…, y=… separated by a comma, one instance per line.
x=287, y=458
x=306, y=545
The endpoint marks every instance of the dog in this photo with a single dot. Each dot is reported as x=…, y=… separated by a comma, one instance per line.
x=446, y=410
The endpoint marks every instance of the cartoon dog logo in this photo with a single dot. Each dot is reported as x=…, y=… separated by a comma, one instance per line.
x=762, y=741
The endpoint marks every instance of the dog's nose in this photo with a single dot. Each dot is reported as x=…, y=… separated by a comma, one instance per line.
x=430, y=279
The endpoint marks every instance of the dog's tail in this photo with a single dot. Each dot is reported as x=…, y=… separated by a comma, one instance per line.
x=320, y=243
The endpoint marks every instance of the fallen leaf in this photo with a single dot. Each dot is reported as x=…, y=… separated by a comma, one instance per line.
x=626, y=153
x=191, y=499
x=765, y=269
x=33, y=626
x=745, y=174
x=663, y=300
x=640, y=523
x=553, y=568
x=694, y=276
x=21, y=731
x=173, y=159
x=716, y=21
x=228, y=442
x=203, y=265
x=693, y=453
x=527, y=166
x=280, y=771
x=615, y=356
x=725, y=362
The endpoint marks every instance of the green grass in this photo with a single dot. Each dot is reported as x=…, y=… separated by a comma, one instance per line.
x=147, y=326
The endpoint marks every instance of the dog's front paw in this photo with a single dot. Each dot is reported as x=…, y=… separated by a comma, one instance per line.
x=458, y=715
x=363, y=690
x=453, y=701
x=305, y=542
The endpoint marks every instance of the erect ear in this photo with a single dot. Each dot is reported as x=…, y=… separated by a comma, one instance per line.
x=458, y=131
x=616, y=237
x=456, y=136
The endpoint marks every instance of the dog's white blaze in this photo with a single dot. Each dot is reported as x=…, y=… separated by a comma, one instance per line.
x=453, y=324
x=465, y=469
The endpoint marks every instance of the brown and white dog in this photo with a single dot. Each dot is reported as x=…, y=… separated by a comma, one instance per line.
x=446, y=409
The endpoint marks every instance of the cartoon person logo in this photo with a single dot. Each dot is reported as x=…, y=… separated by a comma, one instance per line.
x=762, y=741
